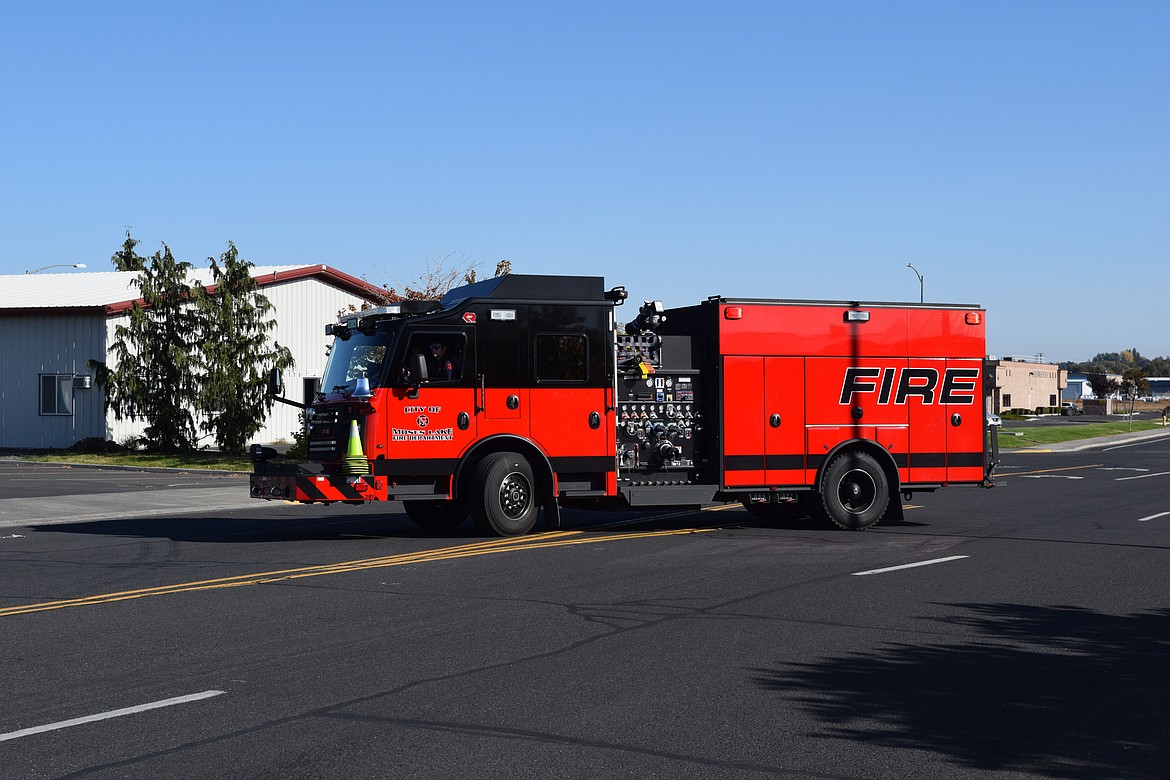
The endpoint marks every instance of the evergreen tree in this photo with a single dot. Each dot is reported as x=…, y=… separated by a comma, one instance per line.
x=126, y=259
x=153, y=378
x=234, y=353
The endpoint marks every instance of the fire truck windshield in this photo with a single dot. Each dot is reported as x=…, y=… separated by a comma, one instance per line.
x=358, y=354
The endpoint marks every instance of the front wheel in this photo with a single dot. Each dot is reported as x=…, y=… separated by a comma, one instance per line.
x=854, y=491
x=503, y=495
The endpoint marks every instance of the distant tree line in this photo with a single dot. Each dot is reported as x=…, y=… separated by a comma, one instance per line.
x=1120, y=362
x=1131, y=366
x=191, y=358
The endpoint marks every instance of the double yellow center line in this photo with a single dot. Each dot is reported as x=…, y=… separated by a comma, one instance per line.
x=492, y=547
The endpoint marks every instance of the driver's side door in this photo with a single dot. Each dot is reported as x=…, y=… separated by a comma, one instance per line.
x=431, y=422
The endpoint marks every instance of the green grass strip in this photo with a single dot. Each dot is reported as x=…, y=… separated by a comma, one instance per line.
x=1013, y=435
x=190, y=461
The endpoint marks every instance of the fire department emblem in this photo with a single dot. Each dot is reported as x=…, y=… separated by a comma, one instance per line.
x=422, y=421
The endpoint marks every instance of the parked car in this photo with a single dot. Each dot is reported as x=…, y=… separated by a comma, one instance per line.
x=1068, y=409
x=993, y=421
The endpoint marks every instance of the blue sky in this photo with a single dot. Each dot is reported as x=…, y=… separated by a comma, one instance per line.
x=1018, y=153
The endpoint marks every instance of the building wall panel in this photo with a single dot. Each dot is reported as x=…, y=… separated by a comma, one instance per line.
x=36, y=344
x=302, y=308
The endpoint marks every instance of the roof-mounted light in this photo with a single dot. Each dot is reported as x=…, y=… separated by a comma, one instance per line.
x=399, y=309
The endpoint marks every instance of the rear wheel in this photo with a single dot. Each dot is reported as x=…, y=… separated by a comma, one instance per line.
x=854, y=491
x=503, y=495
x=436, y=515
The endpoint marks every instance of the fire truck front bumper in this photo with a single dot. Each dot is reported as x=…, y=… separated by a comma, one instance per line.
x=310, y=488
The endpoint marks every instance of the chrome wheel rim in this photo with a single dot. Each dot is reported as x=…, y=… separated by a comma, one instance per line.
x=515, y=494
x=857, y=491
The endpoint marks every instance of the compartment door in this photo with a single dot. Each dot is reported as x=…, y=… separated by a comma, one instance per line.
x=962, y=396
x=742, y=421
x=782, y=420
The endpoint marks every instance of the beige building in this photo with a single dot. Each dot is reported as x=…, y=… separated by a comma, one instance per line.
x=1023, y=383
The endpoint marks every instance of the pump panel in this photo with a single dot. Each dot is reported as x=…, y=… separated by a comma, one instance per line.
x=658, y=425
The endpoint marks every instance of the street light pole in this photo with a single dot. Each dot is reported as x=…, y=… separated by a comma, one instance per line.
x=921, y=286
x=55, y=265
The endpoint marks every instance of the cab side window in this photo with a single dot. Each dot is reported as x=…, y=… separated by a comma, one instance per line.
x=442, y=352
x=561, y=357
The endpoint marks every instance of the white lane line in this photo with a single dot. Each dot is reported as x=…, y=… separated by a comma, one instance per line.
x=1152, y=440
x=1047, y=476
x=107, y=715
x=1121, y=468
x=908, y=566
x=1143, y=476
x=1153, y=517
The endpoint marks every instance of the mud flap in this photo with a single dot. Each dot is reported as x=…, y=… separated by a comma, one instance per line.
x=894, y=514
x=552, y=514
x=992, y=459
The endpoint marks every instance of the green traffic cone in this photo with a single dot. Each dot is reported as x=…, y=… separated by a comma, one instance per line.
x=355, y=442
x=355, y=460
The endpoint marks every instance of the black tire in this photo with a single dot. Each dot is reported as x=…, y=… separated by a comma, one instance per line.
x=854, y=491
x=503, y=495
x=436, y=515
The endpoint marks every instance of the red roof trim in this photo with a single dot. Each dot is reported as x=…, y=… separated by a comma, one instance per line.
x=359, y=287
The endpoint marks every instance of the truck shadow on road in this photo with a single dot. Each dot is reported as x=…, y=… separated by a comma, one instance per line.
x=346, y=525
x=1051, y=691
x=235, y=530
x=349, y=523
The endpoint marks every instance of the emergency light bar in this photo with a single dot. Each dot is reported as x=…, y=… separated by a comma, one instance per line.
x=353, y=320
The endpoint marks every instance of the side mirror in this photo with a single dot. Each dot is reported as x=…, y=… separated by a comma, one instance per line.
x=275, y=383
x=416, y=374
x=418, y=369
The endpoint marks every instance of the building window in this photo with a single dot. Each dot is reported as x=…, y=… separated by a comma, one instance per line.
x=560, y=358
x=57, y=394
x=1007, y=400
x=1052, y=400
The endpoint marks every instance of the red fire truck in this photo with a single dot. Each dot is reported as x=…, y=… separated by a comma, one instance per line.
x=522, y=392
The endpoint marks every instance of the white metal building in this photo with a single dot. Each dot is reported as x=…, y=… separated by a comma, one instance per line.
x=52, y=324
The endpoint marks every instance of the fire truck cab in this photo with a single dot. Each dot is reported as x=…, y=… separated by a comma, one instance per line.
x=524, y=392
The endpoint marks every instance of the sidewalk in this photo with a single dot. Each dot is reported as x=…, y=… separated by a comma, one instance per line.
x=1096, y=443
x=138, y=504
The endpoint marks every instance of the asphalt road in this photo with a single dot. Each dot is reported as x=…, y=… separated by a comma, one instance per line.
x=235, y=638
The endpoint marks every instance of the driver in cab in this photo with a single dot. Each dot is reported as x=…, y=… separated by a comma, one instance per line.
x=441, y=364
